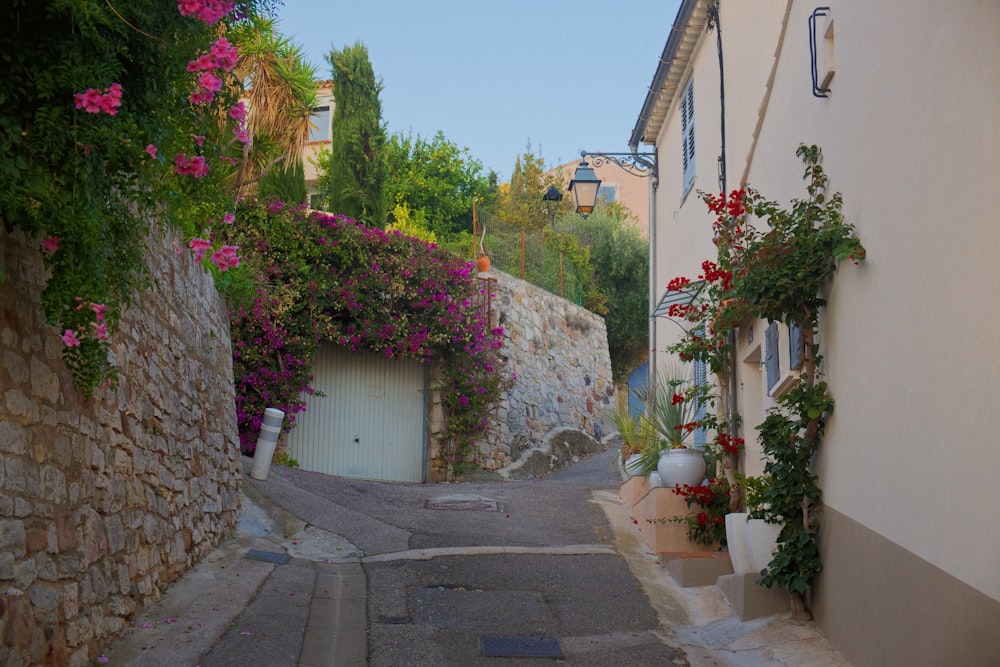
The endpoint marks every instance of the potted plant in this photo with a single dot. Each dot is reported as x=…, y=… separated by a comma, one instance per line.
x=671, y=403
x=637, y=441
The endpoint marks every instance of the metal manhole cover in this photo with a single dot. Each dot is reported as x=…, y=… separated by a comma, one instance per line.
x=268, y=556
x=463, y=501
x=520, y=647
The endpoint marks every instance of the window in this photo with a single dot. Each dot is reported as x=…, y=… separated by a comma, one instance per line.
x=687, y=136
x=771, y=355
x=320, y=130
x=607, y=193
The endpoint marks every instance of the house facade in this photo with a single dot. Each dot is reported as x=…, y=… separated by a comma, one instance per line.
x=319, y=136
x=903, y=103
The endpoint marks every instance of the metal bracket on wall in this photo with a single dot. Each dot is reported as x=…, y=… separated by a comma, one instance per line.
x=813, y=48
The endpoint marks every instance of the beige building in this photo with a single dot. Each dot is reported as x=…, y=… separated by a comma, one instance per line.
x=319, y=134
x=903, y=99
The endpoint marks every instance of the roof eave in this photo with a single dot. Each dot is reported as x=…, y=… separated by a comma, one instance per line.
x=684, y=35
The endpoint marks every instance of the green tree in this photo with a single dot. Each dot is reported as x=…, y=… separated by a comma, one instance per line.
x=619, y=259
x=285, y=183
x=520, y=201
x=353, y=172
x=436, y=181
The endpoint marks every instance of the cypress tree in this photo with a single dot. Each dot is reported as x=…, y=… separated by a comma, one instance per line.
x=355, y=170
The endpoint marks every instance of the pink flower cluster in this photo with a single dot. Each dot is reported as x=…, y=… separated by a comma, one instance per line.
x=221, y=57
x=198, y=247
x=226, y=258
x=94, y=101
x=238, y=112
x=100, y=326
x=190, y=166
x=208, y=11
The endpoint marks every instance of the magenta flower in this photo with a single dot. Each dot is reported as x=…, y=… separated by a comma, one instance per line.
x=199, y=246
x=151, y=150
x=69, y=338
x=51, y=244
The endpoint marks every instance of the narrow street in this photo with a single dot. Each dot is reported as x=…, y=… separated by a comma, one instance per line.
x=456, y=571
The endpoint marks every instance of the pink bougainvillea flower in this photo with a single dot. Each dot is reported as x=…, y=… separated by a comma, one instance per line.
x=99, y=310
x=207, y=11
x=69, y=338
x=151, y=150
x=190, y=166
x=51, y=244
x=226, y=258
x=94, y=101
x=225, y=54
x=199, y=246
x=238, y=111
x=102, y=659
x=101, y=330
x=228, y=218
x=198, y=139
x=209, y=81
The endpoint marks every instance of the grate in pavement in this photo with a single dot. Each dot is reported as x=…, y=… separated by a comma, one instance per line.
x=268, y=556
x=463, y=501
x=520, y=647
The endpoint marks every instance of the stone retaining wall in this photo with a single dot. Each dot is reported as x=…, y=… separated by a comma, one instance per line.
x=564, y=388
x=102, y=504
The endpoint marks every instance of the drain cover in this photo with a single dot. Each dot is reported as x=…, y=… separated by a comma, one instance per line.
x=520, y=647
x=268, y=556
x=463, y=501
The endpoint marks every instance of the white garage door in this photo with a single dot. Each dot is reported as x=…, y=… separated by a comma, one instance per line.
x=370, y=422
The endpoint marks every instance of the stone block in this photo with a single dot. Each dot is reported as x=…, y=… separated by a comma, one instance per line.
x=652, y=513
x=749, y=600
x=699, y=569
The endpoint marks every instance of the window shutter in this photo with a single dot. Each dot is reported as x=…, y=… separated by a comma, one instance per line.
x=771, y=355
x=700, y=379
x=687, y=134
x=796, y=346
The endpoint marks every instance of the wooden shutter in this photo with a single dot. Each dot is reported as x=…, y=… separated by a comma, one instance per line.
x=771, y=355
x=687, y=134
x=796, y=346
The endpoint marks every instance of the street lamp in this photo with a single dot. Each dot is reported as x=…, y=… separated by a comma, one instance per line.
x=552, y=197
x=585, y=183
x=584, y=187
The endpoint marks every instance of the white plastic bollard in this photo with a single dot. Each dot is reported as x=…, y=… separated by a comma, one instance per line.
x=273, y=417
x=266, y=442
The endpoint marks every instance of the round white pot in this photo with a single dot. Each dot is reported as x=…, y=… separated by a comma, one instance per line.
x=681, y=466
x=633, y=465
x=762, y=542
x=736, y=542
x=654, y=480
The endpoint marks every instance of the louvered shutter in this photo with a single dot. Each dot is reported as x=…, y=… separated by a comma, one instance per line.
x=700, y=379
x=771, y=355
x=796, y=346
x=687, y=134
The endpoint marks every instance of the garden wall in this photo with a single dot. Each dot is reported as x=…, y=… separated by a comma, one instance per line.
x=564, y=390
x=104, y=503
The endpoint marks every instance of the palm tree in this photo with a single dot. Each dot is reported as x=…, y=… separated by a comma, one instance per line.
x=279, y=93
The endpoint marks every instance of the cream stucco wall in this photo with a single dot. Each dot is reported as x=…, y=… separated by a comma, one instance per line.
x=911, y=138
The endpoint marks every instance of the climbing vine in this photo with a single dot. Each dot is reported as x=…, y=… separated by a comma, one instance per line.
x=777, y=272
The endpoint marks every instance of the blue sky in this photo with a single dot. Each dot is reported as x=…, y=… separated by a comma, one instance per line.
x=493, y=76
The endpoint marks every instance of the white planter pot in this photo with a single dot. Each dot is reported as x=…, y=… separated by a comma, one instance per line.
x=681, y=466
x=736, y=542
x=633, y=465
x=762, y=542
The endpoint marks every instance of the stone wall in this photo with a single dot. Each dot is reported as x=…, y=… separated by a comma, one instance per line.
x=102, y=504
x=562, y=402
